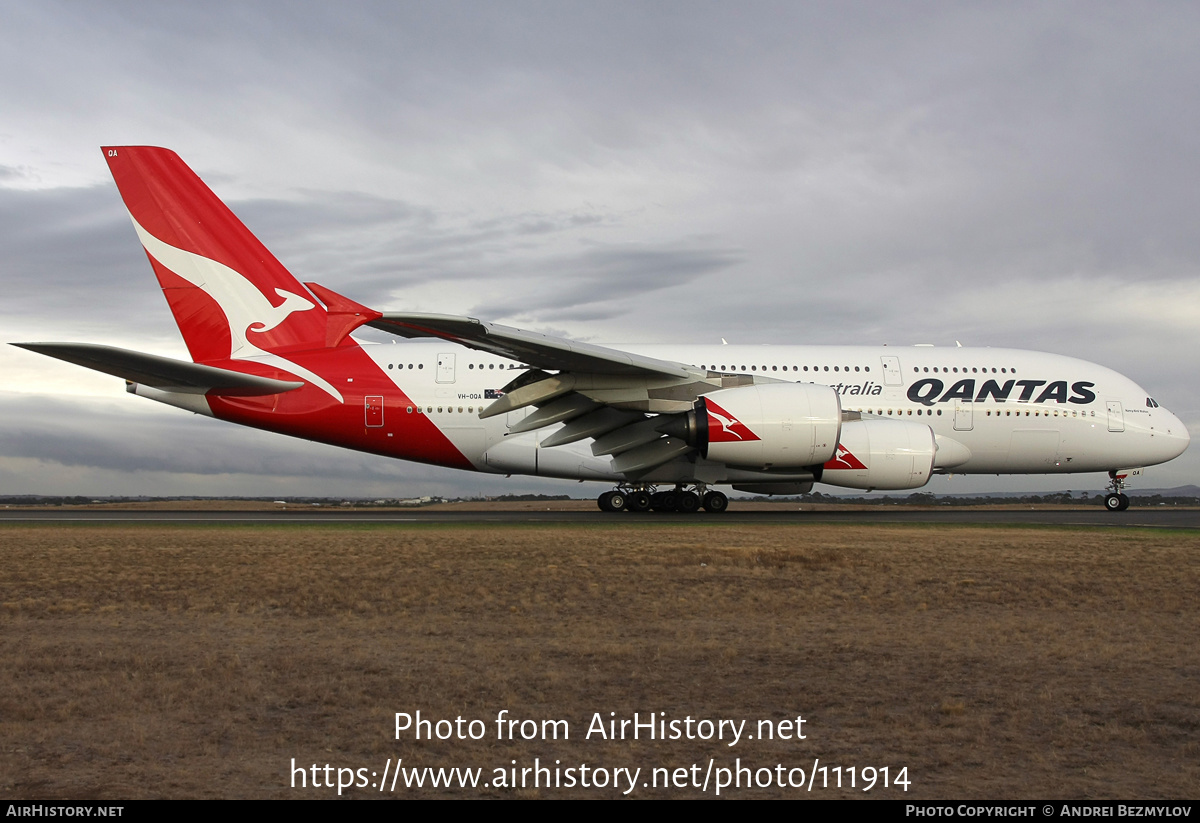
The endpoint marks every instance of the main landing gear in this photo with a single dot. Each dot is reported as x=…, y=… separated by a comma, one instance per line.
x=1116, y=500
x=644, y=497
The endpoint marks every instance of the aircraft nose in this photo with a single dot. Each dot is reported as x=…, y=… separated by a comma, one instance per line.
x=1175, y=435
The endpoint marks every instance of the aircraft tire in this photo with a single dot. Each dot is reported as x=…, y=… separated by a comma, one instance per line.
x=1124, y=502
x=637, y=502
x=1114, y=503
x=612, y=501
x=665, y=501
x=715, y=502
x=688, y=502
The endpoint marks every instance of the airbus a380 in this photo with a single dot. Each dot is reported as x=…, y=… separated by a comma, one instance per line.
x=664, y=425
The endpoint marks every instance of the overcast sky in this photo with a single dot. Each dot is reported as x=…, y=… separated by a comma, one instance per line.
x=1020, y=175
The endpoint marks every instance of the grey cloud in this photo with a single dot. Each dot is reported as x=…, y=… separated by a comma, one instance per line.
x=325, y=212
x=70, y=258
x=573, y=287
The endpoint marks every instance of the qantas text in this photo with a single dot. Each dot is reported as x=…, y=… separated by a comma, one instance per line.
x=929, y=391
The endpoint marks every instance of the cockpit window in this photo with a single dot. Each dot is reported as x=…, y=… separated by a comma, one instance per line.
x=1151, y=403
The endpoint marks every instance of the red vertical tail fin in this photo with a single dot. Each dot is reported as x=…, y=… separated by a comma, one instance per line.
x=230, y=296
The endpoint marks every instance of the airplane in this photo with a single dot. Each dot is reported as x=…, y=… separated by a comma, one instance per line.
x=665, y=424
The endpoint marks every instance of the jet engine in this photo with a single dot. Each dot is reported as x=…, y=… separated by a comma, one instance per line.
x=882, y=454
x=770, y=425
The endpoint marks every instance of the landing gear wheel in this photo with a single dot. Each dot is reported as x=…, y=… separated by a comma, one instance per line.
x=612, y=501
x=1116, y=500
x=664, y=501
x=688, y=502
x=715, y=502
x=637, y=502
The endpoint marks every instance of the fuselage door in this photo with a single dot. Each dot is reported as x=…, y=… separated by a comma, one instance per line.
x=373, y=410
x=1116, y=416
x=891, y=371
x=445, y=369
x=964, y=419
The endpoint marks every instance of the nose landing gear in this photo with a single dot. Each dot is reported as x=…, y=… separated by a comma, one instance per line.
x=1116, y=500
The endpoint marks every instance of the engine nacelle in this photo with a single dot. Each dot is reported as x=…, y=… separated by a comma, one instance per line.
x=767, y=425
x=882, y=454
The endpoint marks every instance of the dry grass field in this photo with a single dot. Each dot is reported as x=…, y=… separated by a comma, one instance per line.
x=198, y=661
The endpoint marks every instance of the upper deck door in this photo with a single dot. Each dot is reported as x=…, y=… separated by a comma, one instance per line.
x=964, y=419
x=891, y=371
x=1116, y=416
x=445, y=368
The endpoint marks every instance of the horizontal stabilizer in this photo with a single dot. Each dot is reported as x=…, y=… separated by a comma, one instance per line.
x=162, y=372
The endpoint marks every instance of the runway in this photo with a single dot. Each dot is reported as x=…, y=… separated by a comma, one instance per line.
x=1150, y=517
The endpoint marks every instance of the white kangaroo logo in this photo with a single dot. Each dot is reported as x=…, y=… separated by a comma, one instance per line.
x=727, y=424
x=246, y=308
x=291, y=303
x=840, y=457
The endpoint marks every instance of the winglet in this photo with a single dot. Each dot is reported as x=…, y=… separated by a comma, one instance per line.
x=343, y=314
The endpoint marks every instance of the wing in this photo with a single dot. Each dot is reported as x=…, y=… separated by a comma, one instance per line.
x=628, y=404
x=539, y=350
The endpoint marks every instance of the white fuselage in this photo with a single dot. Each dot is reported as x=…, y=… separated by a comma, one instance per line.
x=1017, y=412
